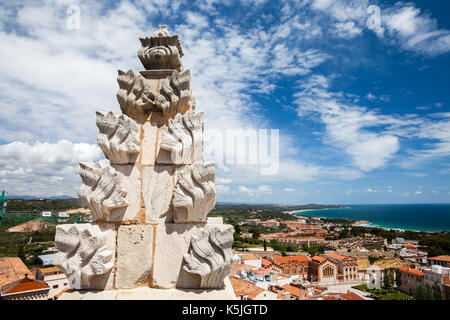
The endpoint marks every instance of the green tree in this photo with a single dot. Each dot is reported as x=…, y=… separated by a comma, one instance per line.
x=420, y=294
x=265, y=245
x=386, y=279
x=21, y=254
x=237, y=229
x=398, y=278
x=428, y=292
x=437, y=292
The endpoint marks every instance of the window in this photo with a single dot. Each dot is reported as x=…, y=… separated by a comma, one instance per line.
x=55, y=286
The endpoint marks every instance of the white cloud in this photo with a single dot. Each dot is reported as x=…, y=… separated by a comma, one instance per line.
x=346, y=124
x=256, y=192
x=415, y=30
x=44, y=168
x=289, y=189
x=347, y=30
x=221, y=189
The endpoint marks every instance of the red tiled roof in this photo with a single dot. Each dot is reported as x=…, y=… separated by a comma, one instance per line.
x=293, y=290
x=12, y=269
x=265, y=262
x=351, y=296
x=249, y=256
x=24, y=285
x=337, y=256
x=411, y=271
x=290, y=258
x=440, y=258
x=262, y=271
x=336, y=296
x=245, y=288
x=319, y=259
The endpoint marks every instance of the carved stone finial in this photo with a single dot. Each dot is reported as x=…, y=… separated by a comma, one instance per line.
x=162, y=32
x=161, y=51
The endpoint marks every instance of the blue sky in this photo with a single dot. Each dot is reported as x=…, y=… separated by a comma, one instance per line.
x=363, y=113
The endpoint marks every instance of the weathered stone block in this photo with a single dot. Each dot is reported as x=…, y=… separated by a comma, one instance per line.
x=157, y=190
x=86, y=254
x=134, y=255
x=131, y=181
x=149, y=143
x=172, y=242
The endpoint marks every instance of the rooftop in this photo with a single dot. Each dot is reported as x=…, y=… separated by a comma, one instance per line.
x=249, y=256
x=293, y=290
x=23, y=285
x=440, y=258
x=49, y=270
x=12, y=269
x=411, y=271
x=287, y=259
x=245, y=288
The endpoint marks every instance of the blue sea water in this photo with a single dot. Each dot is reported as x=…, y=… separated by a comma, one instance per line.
x=419, y=217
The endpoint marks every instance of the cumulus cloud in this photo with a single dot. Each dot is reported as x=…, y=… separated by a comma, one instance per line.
x=256, y=192
x=415, y=30
x=44, y=168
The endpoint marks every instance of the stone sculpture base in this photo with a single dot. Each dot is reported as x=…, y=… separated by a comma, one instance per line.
x=146, y=293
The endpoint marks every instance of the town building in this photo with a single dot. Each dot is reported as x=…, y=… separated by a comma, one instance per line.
x=54, y=278
x=437, y=274
x=46, y=260
x=439, y=260
x=245, y=290
x=252, y=222
x=411, y=279
x=291, y=265
x=251, y=259
x=347, y=267
x=323, y=270
x=25, y=289
x=337, y=296
x=295, y=293
x=300, y=241
x=270, y=223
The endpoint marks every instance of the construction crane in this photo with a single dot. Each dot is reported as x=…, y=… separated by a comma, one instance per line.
x=4, y=217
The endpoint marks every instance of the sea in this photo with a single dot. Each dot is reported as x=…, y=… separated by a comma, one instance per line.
x=416, y=217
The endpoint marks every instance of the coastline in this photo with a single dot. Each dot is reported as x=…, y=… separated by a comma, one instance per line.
x=357, y=223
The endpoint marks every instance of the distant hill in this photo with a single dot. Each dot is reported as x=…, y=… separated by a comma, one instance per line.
x=35, y=198
x=30, y=226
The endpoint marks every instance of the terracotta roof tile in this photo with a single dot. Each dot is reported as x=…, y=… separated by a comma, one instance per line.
x=290, y=258
x=23, y=285
x=12, y=269
x=293, y=290
x=265, y=262
x=411, y=271
x=351, y=296
x=249, y=256
x=440, y=258
x=337, y=256
x=245, y=288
